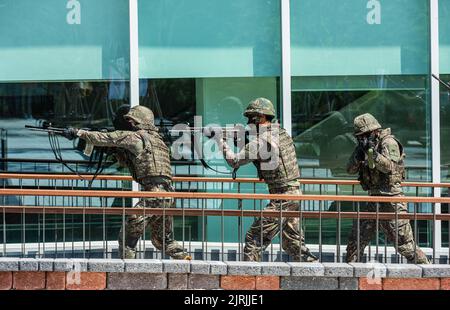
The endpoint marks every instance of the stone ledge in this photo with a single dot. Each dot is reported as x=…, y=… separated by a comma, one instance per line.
x=9, y=264
x=38, y=280
x=328, y=270
x=28, y=264
x=244, y=268
x=200, y=267
x=275, y=269
x=403, y=271
x=435, y=271
x=363, y=270
x=218, y=268
x=176, y=266
x=65, y=264
x=143, y=265
x=106, y=265
x=338, y=270
x=307, y=269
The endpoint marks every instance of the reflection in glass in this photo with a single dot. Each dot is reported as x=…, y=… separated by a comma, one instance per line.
x=323, y=126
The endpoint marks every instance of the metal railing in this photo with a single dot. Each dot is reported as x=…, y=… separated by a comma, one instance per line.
x=45, y=215
x=3, y=149
x=180, y=167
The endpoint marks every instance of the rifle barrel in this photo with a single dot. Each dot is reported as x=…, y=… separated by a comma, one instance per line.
x=441, y=81
x=46, y=129
x=190, y=129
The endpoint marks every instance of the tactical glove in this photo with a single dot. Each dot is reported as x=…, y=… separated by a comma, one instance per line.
x=70, y=133
x=360, y=155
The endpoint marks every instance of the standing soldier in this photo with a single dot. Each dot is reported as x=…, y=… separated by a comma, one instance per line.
x=281, y=178
x=378, y=159
x=147, y=158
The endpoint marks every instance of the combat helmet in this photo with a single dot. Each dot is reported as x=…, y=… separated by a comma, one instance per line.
x=365, y=123
x=142, y=116
x=260, y=106
x=119, y=121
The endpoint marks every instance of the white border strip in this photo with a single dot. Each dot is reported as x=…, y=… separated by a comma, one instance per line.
x=134, y=54
x=435, y=113
x=134, y=65
x=286, y=65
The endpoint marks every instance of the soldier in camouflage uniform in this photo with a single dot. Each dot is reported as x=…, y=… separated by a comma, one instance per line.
x=378, y=159
x=281, y=178
x=147, y=158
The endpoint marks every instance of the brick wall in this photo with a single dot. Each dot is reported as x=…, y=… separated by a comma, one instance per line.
x=95, y=274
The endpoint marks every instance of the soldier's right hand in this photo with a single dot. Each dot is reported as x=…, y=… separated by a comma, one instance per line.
x=360, y=155
x=70, y=133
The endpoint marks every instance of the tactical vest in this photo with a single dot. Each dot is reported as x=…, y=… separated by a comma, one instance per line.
x=287, y=169
x=152, y=162
x=377, y=182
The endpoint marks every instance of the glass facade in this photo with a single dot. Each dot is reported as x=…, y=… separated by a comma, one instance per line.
x=444, y=57
x=373, y=60
x=67, y=62
x=444, y=67
x=188, y=69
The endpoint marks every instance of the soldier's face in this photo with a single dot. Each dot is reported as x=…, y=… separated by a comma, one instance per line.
x=256, y=119
x=363, y=137
x=131, y=122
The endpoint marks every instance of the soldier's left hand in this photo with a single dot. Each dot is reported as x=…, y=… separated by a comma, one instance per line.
x=371, y=144
x=70, y=133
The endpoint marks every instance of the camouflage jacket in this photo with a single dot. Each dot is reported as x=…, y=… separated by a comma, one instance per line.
x=272, y=152
x=386, y=177
x=144, y=152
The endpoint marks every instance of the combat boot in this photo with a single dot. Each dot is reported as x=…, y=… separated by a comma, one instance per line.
x=128, y=253
x=308, y=257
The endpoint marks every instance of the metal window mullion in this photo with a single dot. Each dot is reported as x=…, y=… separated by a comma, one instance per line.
x=286, y=110
x=134, y=65
x=435, y=116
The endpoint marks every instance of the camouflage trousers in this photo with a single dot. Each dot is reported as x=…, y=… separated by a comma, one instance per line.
x=263, y=230
x=161, y=227
x=397, y=231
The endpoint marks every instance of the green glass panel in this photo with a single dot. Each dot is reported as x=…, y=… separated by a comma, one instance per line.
x=52, y=40
x=209, y=38
x=359, y=37
x=444, y=36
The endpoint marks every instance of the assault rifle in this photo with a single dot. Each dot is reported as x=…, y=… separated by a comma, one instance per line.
x=101, y=153
x=98, y=154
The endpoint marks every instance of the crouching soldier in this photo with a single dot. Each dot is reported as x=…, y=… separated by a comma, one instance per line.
x=147, y=157
x=378, y=158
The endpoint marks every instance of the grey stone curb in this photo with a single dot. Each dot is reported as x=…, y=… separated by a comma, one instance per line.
x=28, y=264
x=303, y=270
x=143, y=265
x=176, y=266
x=435, y=271
x=9, y=264
x=65, y=264
x=363, y=270
x=403, y=271
x=307, y=269
x=338, y=270
x=106, y=265
x=244, y=268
